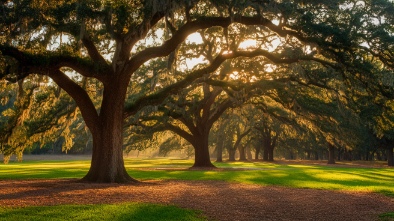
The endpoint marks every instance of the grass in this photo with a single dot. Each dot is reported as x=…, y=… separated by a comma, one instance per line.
x=297, y=176
x=386, y=216
x=124, y=211
x=339, y=177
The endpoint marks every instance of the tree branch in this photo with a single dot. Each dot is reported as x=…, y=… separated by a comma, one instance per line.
x=187, y=29
x=80, y=96
x=180, y=132
x=45, y=62
x=219, y=111
x=159, y=97
x=92, y=50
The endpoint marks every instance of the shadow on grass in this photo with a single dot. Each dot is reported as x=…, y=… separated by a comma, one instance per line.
x=124, y=211
x=299, y=176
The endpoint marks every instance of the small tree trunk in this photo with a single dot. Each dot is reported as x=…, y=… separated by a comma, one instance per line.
x=390, y=157
x=219, y=150
x=378, y=155
x=271, y=153
x=308, y=154
x=291, y=155
x=265, y=153
x=257, y=153
x=339, y=154
x=248, y=153
x=331, y=154
x=367, y=155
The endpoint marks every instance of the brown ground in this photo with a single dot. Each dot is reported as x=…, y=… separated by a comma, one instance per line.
x=218, y=200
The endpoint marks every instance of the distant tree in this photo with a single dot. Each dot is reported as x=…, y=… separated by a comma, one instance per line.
x=269, y=133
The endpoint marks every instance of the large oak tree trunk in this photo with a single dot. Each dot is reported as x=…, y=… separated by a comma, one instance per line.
x=107, y=165
x=201, y=152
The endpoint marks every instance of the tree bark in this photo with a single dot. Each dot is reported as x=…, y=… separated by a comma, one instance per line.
x=331, y=154
x=242, y=154
x=219, y=149
x=339, y=153
x=231, y=154
x=256, y=154
x=219, y=154
x=271, y=153
x=265, y=154
x=107, y=165
x=390, y=156
x=201, y=152
x=248, y=153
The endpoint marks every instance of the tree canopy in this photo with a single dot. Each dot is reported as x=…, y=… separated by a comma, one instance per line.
x=115, y=43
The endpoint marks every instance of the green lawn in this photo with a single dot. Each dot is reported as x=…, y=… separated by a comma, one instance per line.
x=298, y=176
x=337, y=177
x=124, y=211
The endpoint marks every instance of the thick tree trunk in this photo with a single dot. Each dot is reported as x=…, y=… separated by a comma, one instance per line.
x=331, y=154
x=107, y=165
x=231, y=154
x=202, y=158
x=242, y=154
x=390, y=157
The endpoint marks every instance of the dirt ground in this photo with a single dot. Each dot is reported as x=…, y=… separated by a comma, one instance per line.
x=217, y=199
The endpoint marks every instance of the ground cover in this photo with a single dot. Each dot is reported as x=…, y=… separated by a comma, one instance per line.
x=123, y=211
x=317, y=176
x=253, y=190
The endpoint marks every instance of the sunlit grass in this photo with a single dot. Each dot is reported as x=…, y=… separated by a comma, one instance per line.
x=386, y=216
x=297, y=176
x=102, y=212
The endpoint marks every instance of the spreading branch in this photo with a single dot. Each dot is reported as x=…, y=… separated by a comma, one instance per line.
x=80, y=96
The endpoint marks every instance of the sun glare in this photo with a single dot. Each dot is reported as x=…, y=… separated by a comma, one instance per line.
x=194, y=38
x=248, y=44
